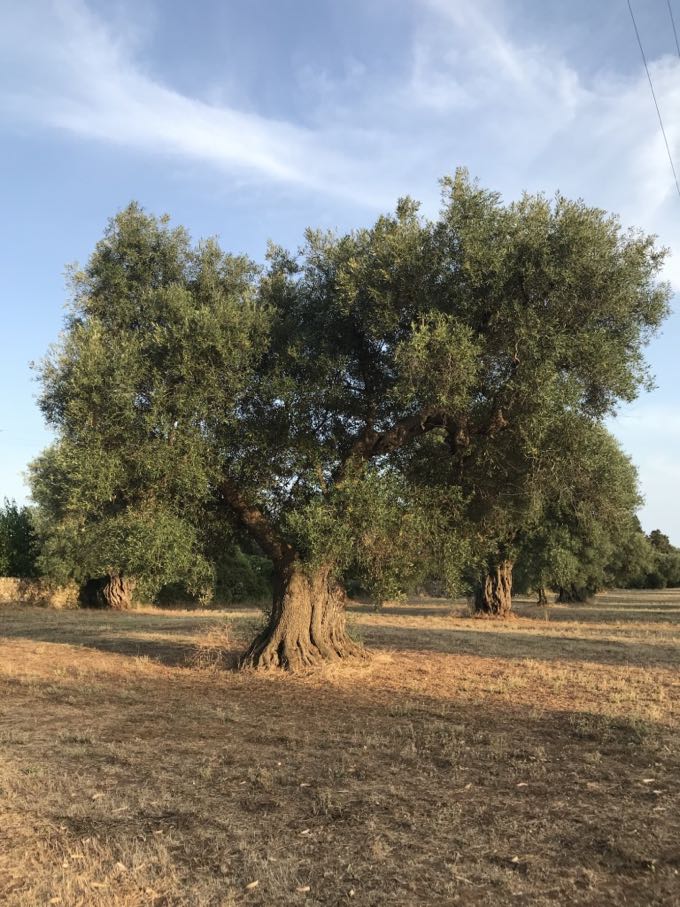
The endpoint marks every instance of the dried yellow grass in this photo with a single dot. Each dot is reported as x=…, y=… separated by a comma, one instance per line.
x=473, y=762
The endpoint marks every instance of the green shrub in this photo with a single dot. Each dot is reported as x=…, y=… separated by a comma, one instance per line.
x=18, y=545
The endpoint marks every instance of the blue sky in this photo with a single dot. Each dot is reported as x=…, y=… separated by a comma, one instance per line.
x=253, y=119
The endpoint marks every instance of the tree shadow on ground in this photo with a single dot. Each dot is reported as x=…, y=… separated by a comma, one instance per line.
x=415, y=608
x=344, y=781
x=170, y=654
x=481, y=644
x=509, y=643
x=185, y=641
x=140, y=636
x=599, y=610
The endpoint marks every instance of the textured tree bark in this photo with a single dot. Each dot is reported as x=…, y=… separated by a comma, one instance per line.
x=542, y=597
x=111, y=591
x=306, y=625
x=573, y=594
x=494, y=594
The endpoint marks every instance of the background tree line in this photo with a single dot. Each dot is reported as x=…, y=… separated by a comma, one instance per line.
x=556, y=561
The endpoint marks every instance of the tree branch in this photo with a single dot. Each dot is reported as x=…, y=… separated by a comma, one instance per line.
x=256, y=524
x=371, y=443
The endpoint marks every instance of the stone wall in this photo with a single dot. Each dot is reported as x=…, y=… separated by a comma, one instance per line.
x=17, y=591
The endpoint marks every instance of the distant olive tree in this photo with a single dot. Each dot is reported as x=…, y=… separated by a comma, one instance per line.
x=587, y=525
x=664, y=569
x=18, y=543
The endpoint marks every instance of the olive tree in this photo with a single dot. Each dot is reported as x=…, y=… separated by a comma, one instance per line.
x=18, y=546
x=587, y=534
x=288, y=397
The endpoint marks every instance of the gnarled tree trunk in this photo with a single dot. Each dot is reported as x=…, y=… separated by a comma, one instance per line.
x=573, y=594
x=111, y=591
x=494, y=594
x=542, y=597
x=306, y=625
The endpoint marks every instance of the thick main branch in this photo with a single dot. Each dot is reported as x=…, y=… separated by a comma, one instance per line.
x=256, y=524
x=371, y=443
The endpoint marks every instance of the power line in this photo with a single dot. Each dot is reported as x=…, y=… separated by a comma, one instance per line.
x=656, y=103
x=675, y=32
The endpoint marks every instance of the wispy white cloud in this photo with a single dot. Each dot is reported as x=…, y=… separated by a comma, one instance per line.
x=513, y=110
x=546, y=125
x=71, y=73
x=497, y=66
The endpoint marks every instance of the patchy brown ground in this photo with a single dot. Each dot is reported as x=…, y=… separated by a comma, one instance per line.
x=470, y=762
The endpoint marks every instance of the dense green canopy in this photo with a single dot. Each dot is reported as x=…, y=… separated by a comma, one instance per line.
x=587, y=526
x=18, y=543
x=287, y=399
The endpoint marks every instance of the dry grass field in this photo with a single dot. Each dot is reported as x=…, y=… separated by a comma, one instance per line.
x=469, y=762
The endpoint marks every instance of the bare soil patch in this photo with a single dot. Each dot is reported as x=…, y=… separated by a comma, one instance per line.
x=470, y=762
